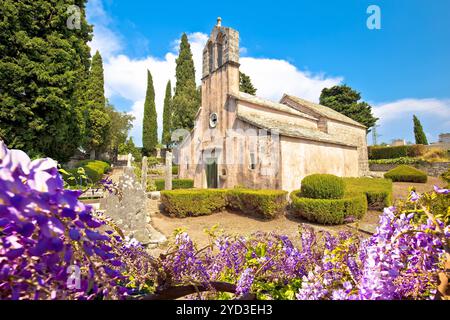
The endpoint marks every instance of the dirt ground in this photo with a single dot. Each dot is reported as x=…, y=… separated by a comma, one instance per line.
x=237, y=223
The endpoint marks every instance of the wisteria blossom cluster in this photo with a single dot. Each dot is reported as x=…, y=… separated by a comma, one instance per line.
x=51, y=246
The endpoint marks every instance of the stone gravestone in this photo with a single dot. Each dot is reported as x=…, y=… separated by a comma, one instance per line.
x=130, y=212
x=129, y=159
x=144, y=173
x=168, y=173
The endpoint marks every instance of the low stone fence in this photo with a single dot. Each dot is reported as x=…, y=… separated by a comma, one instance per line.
x=433, y=169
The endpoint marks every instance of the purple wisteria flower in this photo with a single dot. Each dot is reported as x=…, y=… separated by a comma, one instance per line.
x=441, y=190
x=45, y=231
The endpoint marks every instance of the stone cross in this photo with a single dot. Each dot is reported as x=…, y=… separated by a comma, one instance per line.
x=129, y=160
x=168, y=175
x=144, y=173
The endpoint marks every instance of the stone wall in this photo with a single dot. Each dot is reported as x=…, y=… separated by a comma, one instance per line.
x=433, y=169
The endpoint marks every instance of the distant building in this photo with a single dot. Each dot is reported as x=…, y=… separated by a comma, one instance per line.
x=444, y=142
x=398, y=142
x=444, y=138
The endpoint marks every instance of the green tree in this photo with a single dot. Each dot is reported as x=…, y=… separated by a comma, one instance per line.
x=43, y=69
x=186, y=100
x=120, y=125
x=245, y=84
x=149, y=126
x=130, y=147
x=345, y=100
x=167, y=115
x=419, y=134
x=98, y=119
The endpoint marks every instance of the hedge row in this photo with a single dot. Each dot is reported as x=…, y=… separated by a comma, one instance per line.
x=378, y=192
x=396, y=152
x=406, y=173
x=328, y=211
x=193, y=202
x=401, y=160
x=176, y=184
x=268, y=203
x=197, y=202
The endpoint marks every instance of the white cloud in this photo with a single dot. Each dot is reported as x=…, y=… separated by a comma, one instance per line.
x=106, y=41
x=397, y=109
x=274, y=77
x=396, y=118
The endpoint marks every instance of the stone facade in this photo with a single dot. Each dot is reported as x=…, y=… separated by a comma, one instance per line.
x=240, y=139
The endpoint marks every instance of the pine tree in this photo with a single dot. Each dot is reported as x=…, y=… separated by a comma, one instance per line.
x=345, y=100
x=186, y=100
x=98, y=122
x=149, y=126
x=420, y=136
x=43, y=68
x=245, y=84
x=167, y=115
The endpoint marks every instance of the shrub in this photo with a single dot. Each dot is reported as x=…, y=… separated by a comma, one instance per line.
x=378, y=192
x=322, y=186
x=175, y=170
x=328, y=211
x=176, y=184
x=377, y=152
x=406, y=173
x=436, y=155
x=94, y=169
x=268, y=203
x=402, y=160
x=193, y=202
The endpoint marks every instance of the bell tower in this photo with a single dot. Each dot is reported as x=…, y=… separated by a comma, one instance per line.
x=220, y=76
x=222, y=48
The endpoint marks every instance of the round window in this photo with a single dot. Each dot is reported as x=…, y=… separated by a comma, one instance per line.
x=213, y=120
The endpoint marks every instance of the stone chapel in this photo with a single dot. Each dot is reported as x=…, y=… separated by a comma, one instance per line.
x=244, y=140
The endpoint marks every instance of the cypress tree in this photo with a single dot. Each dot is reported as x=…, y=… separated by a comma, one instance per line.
x=420, y=136
x=98, y=121
x=167, y=115
x=186, y=100
x=149, y=126
x=245, y=84
x=43, y=68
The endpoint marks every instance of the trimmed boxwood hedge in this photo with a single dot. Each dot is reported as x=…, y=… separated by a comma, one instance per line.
x=196, y=202
x=176, y=184
x=268, y=203
x=193, y=202
x=378, y=152
x=328, y=211
x=377, y=191
x=406, y=173
x=322, y=186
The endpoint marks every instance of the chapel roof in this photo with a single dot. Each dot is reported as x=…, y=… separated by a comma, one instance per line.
x=271, y=105
x=321, y=110
x=286, y=128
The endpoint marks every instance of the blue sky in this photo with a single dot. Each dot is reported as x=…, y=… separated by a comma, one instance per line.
x=297, y=47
